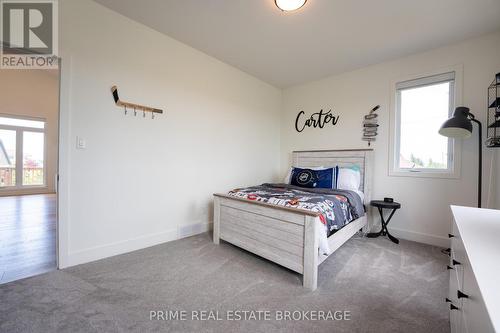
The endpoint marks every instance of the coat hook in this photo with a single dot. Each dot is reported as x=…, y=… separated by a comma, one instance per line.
x=135, y=112
x=143, y=114
x=152, y=115
x=125, y=110
x=118, y=102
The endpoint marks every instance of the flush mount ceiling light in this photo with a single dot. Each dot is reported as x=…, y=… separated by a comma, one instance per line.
x=289, y=5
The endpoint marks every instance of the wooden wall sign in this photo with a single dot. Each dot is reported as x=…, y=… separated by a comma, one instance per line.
x=318, y=119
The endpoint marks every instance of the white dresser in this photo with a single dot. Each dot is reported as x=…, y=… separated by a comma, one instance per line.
x=474, y=297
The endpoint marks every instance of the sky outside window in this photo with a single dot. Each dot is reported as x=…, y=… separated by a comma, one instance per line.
x=423, y=111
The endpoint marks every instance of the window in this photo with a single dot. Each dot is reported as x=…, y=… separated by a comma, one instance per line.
x=22, y=152
x=422, y=105
x=7, y=158
x=33, y=143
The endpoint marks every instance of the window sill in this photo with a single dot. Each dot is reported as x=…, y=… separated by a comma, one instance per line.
x=26, y=187
x=26, y=190
x=424, y=174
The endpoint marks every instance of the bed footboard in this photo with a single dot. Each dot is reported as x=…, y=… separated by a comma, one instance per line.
x=286, y=236
x=283, y=235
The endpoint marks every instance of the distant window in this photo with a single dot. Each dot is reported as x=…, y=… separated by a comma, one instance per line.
x=8, y=154
x=19, y=122
x=22, y=152
x=422, y=105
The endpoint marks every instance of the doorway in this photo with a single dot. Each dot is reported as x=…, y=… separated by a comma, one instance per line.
x=29, y=131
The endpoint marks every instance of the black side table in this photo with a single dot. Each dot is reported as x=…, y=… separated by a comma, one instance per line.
x=380, y=204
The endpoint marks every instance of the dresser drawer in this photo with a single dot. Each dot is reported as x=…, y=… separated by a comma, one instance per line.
x=458, y=258
x=457, y=264
x=454, y=303
x=458, y=323
x=452, y=295
x=456, y=269
x=472, y=305
x=462, y=323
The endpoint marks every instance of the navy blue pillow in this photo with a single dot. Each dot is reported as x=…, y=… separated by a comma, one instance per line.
x=312, y=178
x=335, y=180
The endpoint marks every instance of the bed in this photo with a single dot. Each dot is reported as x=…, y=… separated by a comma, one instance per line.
x=287, y=235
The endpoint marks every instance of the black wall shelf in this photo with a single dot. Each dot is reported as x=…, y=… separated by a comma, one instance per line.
x=493, y=131
x=495, y=124
x=496, y=103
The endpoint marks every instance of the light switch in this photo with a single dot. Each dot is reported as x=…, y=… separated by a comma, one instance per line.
x=80, y=143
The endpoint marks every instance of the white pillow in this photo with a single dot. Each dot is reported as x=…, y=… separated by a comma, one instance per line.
x=349, y=179
x=286, y=180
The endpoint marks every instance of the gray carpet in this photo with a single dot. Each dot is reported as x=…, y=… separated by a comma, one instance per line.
x=386, y=288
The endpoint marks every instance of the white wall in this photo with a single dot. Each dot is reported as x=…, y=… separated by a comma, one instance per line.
x=140, y=181
x=34, y=93
x=496, y=180
x=425, y=215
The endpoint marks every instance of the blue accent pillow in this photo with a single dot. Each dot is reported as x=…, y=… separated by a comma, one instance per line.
x=313, y=178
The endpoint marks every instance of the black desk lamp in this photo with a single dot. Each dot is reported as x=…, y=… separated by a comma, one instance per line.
x=460, y=126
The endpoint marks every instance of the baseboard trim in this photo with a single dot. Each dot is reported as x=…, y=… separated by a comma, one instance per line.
x=130, y=245
x=420, y=237
x=113, y=249
x=194, y=229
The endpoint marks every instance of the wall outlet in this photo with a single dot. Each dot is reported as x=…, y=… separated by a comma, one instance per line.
x=80, y=143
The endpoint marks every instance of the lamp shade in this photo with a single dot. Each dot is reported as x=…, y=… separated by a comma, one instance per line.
x=459, y=125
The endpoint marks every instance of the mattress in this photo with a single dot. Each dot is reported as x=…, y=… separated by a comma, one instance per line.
x=336, y=207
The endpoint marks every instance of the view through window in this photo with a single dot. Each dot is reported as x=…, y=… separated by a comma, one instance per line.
x=7, y=158
x=22, y=152
x=423, y=106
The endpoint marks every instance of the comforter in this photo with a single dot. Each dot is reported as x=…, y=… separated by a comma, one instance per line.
x=336, y=207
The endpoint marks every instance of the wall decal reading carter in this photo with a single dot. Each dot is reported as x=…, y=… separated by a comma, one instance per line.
x=318, y=119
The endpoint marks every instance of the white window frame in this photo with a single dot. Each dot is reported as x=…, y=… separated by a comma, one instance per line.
x=19, y=152
x=454, y=145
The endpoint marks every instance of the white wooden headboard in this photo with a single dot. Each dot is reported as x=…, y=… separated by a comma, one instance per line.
x=330, y=158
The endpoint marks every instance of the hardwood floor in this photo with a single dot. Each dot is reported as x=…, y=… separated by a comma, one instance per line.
x=27, y=236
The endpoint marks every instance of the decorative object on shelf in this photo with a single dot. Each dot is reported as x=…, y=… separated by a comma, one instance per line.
x=370, y=126
x=493, y=131
x=460, y=126
x=132, y=106
x=318, y=119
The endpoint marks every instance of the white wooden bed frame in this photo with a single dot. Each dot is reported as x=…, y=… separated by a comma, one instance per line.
x=287, y=236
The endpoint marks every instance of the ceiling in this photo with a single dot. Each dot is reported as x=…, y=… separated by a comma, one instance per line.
x=323, y=38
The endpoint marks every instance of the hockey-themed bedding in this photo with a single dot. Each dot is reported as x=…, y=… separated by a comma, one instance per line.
x=337, y=207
